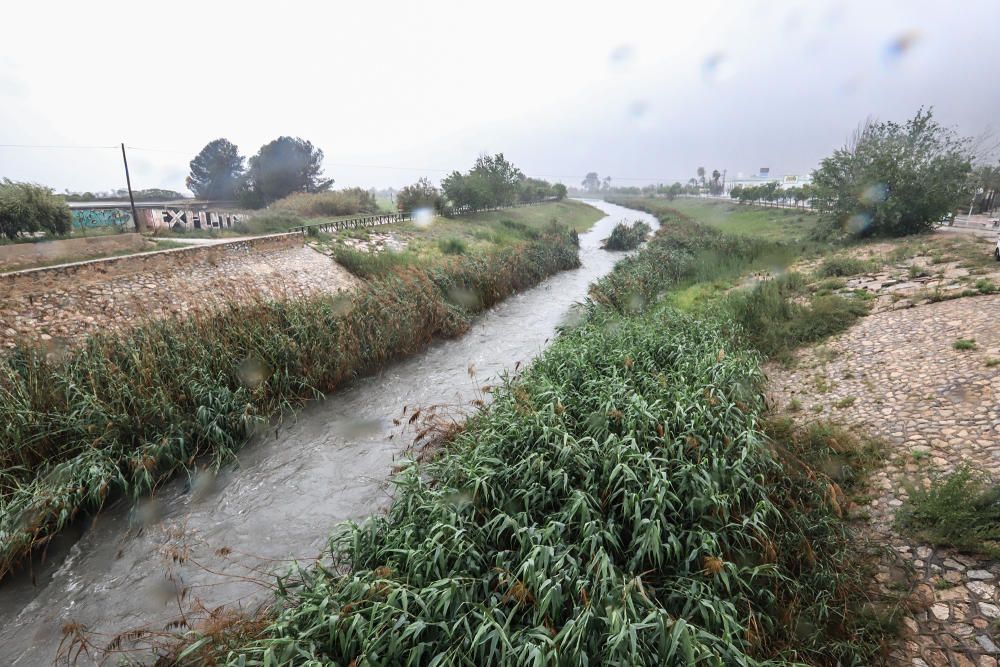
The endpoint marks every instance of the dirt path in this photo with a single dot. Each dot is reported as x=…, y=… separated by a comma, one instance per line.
x=897, y=375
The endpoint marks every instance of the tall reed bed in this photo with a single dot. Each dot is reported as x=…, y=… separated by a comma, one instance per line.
x=619, y=504
x=124, y=413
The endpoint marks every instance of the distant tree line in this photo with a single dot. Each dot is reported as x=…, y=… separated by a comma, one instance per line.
x=492, y=182
x=771, y=194
x=149, y=194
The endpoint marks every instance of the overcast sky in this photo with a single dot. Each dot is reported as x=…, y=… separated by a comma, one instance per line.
x=641, y=92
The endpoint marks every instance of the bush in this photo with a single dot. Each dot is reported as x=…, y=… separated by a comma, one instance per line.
x=627, y=236
x=961, y=510
x=26, y=208
x=776, y=324
x=834, y=267
x=452, y=246
x=351, y=201
x=269, y=222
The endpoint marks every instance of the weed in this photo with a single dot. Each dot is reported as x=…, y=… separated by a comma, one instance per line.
x=627, y=236
x=452, y=246
x=844, y=266
x=964, y=344
x=961, y=510
x=986, y=286
x=845, y=402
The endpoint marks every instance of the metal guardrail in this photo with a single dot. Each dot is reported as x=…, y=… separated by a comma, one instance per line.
x=403, y=216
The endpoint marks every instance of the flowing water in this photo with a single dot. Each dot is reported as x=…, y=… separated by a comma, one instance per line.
x=219, y=539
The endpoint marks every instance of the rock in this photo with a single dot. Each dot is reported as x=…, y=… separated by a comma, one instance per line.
x=989, y=610
x=940, y=611
x=987, y=644
x=979, y=574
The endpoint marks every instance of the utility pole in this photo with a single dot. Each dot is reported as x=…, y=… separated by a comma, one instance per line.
x=128, y=182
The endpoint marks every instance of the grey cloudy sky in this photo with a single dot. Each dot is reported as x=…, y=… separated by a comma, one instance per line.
x=640, y=91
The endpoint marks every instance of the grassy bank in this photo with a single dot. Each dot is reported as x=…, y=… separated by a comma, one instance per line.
x=776, y=224
x=620, y=502
x=124, y=414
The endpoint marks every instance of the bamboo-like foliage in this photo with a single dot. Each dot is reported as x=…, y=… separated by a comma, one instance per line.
x=122, y=414
x=617, y=504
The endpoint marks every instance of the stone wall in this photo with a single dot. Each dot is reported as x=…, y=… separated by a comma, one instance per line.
x=65, y=303
x=19, y=255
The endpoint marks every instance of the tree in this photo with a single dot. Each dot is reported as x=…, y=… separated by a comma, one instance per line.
x=591, y=182
x=892, y=179
x=715, y=187
x=559, y=191
x=216, y=171
x=492, y=182
x=421, y=194
x=26, y=208
x=284, y=166
x=701, y=176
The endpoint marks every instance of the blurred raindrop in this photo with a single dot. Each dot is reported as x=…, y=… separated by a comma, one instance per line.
x=423, y=217
x=252, y=372
x=147, y=512
x=716, y=67
x=858, y=223
x=638, y=109
x=901, y=45
x=202, y=484
x=464, y=297
x=875, y=193
x=359, y=428
x=341, y=305
x=622, y=55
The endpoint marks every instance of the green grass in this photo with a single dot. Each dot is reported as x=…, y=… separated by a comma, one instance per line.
x=960, y=510
x=964, y=344
x=774, y=224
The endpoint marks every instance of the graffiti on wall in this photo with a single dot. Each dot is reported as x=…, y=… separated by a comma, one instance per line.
x=188, y=219
x=94, y=218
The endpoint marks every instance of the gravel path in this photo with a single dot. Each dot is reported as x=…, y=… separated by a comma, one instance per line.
x=896, y=375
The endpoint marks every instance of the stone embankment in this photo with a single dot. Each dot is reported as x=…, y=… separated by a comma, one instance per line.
x=64, y=303
x=897, y=375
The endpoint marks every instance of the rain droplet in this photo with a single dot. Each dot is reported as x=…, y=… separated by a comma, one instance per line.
x=423, y=217
x=463, y=296
x=252, y=372
x=622, y=55
x=901, y=45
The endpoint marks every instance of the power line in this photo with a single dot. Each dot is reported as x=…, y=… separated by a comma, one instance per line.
x=49, y=146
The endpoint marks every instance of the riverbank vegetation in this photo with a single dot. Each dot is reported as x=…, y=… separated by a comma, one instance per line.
x=620, y=502
x=124, y=413
x=627, y=236
x=371, y=250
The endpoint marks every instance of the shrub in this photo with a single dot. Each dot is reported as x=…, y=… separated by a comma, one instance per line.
x=452, y=246
x=269, y=222
x=335, y=203
x=26, y=208
x=627, y=236
x=961, y=510
x=833, y=267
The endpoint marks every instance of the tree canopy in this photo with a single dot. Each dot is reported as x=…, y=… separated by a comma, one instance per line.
x=216, y=171
x=421, y=194
x=284, y=166
x=26, y=208
x=494, y=181
x=892, y=179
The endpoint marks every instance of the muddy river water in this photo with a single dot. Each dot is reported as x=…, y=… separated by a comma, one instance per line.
x=219, y=539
